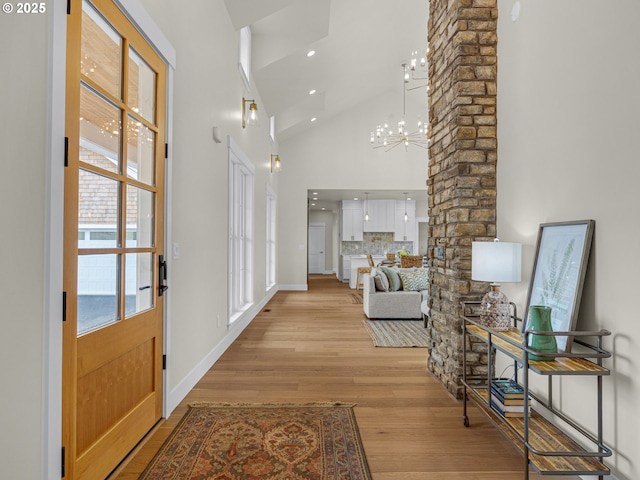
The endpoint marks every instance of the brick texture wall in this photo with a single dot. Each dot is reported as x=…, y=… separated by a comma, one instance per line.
x=462, y=170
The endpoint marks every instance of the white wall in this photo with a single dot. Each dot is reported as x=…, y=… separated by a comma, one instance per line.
x=207, y=92
x=23, y=136
x=568, y=99
x=336, y=154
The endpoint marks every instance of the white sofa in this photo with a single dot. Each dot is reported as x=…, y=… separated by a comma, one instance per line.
x=398, y=304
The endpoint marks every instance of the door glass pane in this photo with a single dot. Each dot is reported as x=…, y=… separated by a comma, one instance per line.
x=139, y=217
x=138, y=283
x=98, y=201
x=140, y=151
x=99, y=131
x=142, y=87
x=97, y=291
x=101, y=51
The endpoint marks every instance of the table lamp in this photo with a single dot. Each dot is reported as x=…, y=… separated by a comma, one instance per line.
x=496, y=262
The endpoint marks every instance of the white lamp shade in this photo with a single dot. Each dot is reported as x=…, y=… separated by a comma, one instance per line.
x=496, y=261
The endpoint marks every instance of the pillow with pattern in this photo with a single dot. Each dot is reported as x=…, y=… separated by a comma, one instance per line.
x=415, y=281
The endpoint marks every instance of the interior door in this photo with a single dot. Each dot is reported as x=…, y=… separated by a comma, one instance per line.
x=114, y=242
x=316, y=248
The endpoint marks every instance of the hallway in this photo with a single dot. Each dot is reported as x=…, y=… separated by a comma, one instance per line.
x=311, y=346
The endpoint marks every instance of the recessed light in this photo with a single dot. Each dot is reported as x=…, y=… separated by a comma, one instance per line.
x=311, y=53
x=314, y=193
x=311, y=92
x=322, y=208
x=313, y=119
x=315, y=198
x=313, y=204
x=355, y=198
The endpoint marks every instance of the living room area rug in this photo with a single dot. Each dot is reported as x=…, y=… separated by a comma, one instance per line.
x=317, y=441
x=397, y=333
x=356, y=298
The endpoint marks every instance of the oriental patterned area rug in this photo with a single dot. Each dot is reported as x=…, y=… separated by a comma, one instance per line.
x=397, y=333
x=266, y=442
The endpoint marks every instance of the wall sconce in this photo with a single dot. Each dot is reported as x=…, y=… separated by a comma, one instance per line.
x=252, y=118
x=274, y=163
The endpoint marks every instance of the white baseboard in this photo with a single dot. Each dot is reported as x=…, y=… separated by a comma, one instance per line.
x=187, y=384
x=303, y=287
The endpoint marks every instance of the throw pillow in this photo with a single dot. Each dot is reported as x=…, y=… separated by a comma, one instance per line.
x=381, y=281
x=414, y=281
x=395, y=283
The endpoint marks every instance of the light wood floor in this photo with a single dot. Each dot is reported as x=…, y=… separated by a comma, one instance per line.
x=311, y=346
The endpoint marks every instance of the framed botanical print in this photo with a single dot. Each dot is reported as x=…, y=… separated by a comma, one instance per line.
x=559, y=268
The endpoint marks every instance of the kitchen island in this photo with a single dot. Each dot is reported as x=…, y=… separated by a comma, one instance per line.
x=358, y=261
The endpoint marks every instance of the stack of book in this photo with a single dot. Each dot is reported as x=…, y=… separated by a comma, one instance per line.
x=507, y=398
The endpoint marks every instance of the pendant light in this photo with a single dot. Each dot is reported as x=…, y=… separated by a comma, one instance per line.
x=406, y=215
x=366, y=205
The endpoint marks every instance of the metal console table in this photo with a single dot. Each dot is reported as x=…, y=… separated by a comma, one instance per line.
x=548, y=448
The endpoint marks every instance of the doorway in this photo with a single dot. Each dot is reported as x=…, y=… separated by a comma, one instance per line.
x=114, y=268
x=317, y=248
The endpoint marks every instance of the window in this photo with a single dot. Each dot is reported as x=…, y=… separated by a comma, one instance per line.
x=244, y=56
x=272, y=129
x=271, y=238
x=241, y=213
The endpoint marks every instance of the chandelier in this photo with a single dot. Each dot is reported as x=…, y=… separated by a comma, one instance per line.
x=388, y=138
x=416, y=72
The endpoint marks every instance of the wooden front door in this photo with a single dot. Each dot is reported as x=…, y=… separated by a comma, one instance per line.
x=114, y=242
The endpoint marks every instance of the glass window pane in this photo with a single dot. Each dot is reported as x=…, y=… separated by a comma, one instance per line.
x=98, y=201
x=97, y=291
x=99, y=131
x=138, y=283
x=142, y=87
x=101, y=51
x=139, y=217
x=140, y=152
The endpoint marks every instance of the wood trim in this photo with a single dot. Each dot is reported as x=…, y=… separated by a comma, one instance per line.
x=70, y=261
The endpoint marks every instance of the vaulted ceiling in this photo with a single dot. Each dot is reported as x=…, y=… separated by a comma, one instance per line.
x=360, y=46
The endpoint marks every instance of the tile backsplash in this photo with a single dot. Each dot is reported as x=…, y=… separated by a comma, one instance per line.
x=375, y=243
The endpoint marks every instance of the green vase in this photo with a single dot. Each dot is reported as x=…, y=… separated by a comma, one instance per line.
x=540, y=321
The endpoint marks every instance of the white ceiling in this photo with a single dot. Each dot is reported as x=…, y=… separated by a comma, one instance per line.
x=360, y=46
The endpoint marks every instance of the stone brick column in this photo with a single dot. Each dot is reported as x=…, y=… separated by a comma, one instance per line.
x=462, y=169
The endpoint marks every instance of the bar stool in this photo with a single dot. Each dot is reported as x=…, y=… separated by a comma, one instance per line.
x=363, y=270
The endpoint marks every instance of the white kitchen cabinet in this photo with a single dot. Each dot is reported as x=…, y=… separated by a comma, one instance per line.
x=404, y=231
x=381, y=213
x=346, y=268
x=352, y=220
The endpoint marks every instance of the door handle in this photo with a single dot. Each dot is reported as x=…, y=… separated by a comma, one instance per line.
x=162, y=275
